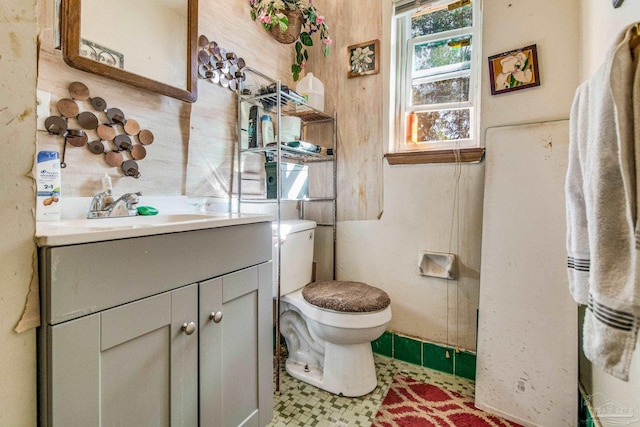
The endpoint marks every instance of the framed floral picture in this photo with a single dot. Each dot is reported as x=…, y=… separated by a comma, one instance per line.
x=364, y=58
x=514, y=70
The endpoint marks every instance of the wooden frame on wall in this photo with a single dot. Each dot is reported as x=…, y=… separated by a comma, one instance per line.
x=514, y=70
x=363, y=58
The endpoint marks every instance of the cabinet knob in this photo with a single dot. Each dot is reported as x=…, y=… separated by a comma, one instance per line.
x=216, y=316
x=189, y=328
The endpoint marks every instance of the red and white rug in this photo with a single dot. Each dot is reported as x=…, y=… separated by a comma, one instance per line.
x=411, y=403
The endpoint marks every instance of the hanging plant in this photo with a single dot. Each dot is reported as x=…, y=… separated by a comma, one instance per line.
x=283, y=18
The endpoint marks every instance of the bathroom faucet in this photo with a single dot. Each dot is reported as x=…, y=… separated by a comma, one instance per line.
x=102, y=207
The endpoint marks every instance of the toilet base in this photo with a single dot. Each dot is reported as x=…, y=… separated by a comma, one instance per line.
x=348, y=370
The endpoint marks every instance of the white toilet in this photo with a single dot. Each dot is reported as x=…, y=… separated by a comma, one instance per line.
x=329, y=329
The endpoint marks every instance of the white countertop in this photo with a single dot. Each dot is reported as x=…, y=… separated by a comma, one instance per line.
x=74, y=230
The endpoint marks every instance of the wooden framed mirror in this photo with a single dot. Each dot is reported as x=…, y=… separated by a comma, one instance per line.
x=150, y=44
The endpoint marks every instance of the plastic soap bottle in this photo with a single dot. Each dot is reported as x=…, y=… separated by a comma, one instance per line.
x=48, y=186
x=267, y=130
x=312, y=89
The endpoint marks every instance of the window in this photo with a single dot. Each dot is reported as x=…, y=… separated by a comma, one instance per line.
x=435, y=70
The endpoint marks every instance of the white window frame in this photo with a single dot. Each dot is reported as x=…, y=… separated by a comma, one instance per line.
x=402, y=46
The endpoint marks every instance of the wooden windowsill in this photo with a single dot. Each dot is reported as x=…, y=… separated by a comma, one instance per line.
x=466, y=155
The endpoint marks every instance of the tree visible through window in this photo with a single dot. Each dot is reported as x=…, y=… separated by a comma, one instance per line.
x=435, y=103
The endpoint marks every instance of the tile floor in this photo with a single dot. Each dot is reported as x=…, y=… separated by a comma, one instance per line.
x=301, y=404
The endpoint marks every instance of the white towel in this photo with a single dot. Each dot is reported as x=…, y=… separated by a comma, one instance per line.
x=601, y=211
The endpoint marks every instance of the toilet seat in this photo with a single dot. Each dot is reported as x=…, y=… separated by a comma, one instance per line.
x=346, y=296
x=335, y=318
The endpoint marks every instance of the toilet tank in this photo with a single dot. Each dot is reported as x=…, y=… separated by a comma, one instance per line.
x=297, y=237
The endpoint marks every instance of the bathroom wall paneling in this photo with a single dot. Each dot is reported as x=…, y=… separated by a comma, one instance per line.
x=358, y=102
x=163, y=169
x=193, y=146
x=213, y=118
x=17, y=114
x=211, y=143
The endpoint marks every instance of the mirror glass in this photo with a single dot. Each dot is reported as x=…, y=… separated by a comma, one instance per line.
x=147, y=43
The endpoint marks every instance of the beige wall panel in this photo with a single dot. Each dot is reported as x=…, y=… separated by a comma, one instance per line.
x=229, y=23
x=358, y=102
x=214, y=116
x=162, y=171
x=17, y=147
x=212, y=142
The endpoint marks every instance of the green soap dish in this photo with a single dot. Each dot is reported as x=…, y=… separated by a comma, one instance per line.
x=147, y=210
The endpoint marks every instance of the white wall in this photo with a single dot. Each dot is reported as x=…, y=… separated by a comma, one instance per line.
x=551, y=25
x=17, y=148
x=418, y=200
x=600, y=25
x=419, y=203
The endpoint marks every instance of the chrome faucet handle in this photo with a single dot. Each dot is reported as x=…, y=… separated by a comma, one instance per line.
x=97, y=208
x=131, y=199
x=96, y=202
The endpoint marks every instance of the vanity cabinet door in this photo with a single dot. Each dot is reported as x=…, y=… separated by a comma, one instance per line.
x=132, y=365
x=236, y=368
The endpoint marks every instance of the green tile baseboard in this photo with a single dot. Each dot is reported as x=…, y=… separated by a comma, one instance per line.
x=427, y=354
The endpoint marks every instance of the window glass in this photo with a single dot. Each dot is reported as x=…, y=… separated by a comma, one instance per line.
x=436, y=84
x=439, y=126
x=441, y=20
x=455, y=89
x=438, y=57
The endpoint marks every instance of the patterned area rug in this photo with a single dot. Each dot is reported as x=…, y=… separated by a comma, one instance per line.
x=411, y=403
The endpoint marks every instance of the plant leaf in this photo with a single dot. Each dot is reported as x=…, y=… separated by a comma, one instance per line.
x=298, y=47
x=295, y=70
x=306, y=40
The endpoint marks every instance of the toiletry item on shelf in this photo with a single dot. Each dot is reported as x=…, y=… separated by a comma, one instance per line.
x=312, y=148
x=254, y=127
x=312, y=89
x=107, y=188
x=267, y=130
x=289, y=128
x=269, y=102
x=294, y=179
x=244, y=124
x=48, y=186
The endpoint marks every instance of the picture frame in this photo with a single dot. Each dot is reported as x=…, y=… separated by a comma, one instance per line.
x=363, y=58
x=514, y=70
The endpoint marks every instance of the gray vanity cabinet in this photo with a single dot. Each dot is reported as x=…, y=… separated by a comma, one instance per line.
x=235, y=321
x=130, y=365
x=129, y=338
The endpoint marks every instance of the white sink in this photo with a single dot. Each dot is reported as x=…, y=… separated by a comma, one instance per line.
x=138, y=221
x=74, y=231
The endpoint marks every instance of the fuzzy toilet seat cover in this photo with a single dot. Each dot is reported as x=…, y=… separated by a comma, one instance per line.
x=344, y=296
